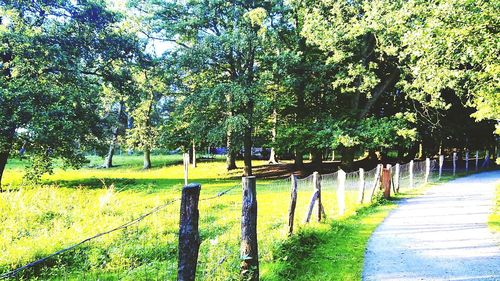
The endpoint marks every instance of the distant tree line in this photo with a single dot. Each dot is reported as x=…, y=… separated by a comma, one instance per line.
x=301, y=77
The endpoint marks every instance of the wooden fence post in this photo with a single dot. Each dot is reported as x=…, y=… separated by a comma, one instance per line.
x=486, y=161
x=477, y=160
x=341, y=191
x=396, y=178
x=249, y=253
x=293, y=204
x=441, y=162
x=194, y=155
x=467, y=162
x=386, y=181
x=189, y=238
x=427, y=169
x=315, y=196
x=454, y=163
x=376, y=181
x=411, y=174
x=317, y=185
x=186, y=167
x=361, y=188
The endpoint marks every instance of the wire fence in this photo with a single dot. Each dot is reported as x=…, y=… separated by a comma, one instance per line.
x=338, y=200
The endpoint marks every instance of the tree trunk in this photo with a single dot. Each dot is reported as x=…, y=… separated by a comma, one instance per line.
x=231, y=153
x=8, y=138
x=4, y=156
x=316, y=158
x=272, y=157
x=420, y=151
x=400, y=154
x=108, y=162
x=147, y=158
x=299, y=159
x=348, y=157
x=247, y=156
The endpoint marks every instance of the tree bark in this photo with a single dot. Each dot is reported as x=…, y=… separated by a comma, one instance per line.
x=108, y=162
x=348, y=157
x=147, y=158
x=4, y=156
x=231, y=153
x=8, y=138
x=387, y=82
x=317, y=158
x=299, y=159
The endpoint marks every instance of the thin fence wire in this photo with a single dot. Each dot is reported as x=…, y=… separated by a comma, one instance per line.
x=409, y=177
x=14, y=273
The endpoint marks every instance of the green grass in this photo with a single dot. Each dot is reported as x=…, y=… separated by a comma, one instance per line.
x=332, y=251
x=494, y=218
x=74, y=204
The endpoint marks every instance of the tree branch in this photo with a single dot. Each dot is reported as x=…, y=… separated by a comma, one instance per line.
x=389, y=81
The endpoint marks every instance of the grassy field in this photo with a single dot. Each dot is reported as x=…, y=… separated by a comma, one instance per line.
x=72, y=205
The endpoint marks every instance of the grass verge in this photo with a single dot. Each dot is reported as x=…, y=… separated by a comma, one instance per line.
x=494, y=218
x=332, y=251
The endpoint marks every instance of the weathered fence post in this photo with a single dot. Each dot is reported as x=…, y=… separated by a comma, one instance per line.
x=477, y=160
x=454, y=163
x=411, y=174
x=427, y=169
x=189, y=238
x=194, y=155
x=186, y=167
x=376, y=181
x=386, y=181
x=341, y=191
x=467, y=162
x=315, y=196
x=317, y=186
x=441, y=162
x=486, y=161
x=293, y=204
x=396, y=178
x=249, y=253
x=361, y=189
x=311, y=206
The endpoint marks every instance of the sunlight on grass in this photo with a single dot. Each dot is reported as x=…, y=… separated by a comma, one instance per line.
x=494, y=218
x=75, y=204
x=332, y=251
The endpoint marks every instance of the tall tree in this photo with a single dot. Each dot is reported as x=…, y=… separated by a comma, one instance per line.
x=51, y=54
x=218, y=44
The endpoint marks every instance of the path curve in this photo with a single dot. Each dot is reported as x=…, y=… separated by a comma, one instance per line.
x=441, y=235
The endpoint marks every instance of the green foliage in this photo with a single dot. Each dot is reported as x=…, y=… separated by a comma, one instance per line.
x=53, y=57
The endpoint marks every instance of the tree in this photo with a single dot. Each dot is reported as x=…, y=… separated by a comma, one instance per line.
x=150, y=106
x=51, y=59
x=218, y=44
x=455, y=48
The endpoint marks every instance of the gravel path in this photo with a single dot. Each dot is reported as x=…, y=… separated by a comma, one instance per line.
x=442, y=235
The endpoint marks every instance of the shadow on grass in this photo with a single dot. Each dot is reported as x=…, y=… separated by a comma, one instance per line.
x=149, y=185
x=330, y=251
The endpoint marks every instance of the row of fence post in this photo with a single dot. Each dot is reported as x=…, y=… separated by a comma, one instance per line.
x=189, y=239
x=455, y=158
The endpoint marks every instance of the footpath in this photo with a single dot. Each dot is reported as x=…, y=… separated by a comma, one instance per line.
x=441, y=235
